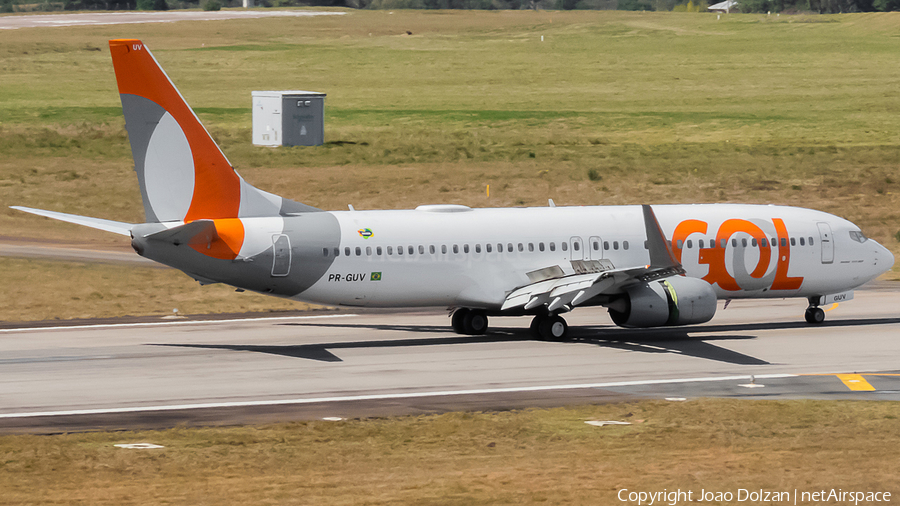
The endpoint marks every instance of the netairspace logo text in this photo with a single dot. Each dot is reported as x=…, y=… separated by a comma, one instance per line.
x=676, y=497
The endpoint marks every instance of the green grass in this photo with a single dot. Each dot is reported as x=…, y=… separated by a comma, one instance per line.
x=518, y=457
x=660, y=107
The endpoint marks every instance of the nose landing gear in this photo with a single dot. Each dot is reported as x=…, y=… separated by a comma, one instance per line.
x=815, y=315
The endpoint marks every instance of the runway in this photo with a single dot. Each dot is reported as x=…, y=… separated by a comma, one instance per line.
x=162, y=373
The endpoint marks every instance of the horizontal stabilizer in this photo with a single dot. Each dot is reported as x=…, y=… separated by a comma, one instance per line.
x=195, y=232
x=116, y=227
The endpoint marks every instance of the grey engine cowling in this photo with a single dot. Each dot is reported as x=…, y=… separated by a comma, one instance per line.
x=677, y=300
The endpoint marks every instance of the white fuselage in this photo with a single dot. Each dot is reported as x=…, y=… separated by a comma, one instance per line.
x=456, y=256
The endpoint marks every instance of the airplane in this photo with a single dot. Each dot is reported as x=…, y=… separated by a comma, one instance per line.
x=649, y=266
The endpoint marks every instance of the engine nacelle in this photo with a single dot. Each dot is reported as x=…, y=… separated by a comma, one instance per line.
x=677, y=300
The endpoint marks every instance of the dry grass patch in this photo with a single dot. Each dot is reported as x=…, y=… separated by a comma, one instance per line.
x=517, y=457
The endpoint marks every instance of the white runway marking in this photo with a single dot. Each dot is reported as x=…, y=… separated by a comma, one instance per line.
x=376, y=397
x=186, y=322
x=125, y=18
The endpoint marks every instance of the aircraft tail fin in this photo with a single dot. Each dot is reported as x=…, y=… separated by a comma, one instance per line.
x=183, y=174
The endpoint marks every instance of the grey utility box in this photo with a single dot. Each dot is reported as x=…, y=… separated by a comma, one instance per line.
x=288, y=118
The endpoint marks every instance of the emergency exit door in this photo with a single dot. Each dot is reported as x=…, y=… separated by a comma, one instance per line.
x=281, y=263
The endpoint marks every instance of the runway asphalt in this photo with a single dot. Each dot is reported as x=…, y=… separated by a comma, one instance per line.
x=163, y=373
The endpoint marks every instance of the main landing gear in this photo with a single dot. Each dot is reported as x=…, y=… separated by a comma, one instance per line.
x=471, y=322
x=549, y=327
x=474, y=322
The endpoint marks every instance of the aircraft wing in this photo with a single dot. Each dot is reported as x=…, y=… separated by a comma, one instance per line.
x=116, y=227
x=576, y=289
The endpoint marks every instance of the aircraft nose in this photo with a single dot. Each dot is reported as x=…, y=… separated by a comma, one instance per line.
x=882, y=258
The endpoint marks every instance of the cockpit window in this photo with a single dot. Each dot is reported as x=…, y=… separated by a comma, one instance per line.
x=858, y=236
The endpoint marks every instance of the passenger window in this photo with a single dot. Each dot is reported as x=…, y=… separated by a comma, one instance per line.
x=410, y=250
x=465, y=248
x=576, y=246
x=358, y=251
x=615, y=245
x=679, y=244
x=499, y=247
x=606, y=245
x=378, y=251
x=431, y=249
x=521, y=248
x=477, y=248
x=541, y=246
x=399, y=250
x=784, y=242
x=347, y=251
x=488, y=247
x=564, y=246
x=455, y=249
x=390, y=250
x=325, y=252
x=531, y=246
x=810, y=241
x=744, y=242
x=802, y=242
x=444, y=249
x=509, y=247
x=595, y=245
x=700, y=244
x=337, y=252
x=753, y=242
x=624, y=244
x=552, y=246
x=368, y=251
x=793, y=241
x=764, y=243
x=690, y=244
x=773, y=242
x=723, y=243
x=421, y=249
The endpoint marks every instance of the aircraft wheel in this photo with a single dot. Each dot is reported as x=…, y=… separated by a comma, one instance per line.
x=536, y=325
x=457, y=321
x=815, y=315
x=475, y=323
x=554, y=328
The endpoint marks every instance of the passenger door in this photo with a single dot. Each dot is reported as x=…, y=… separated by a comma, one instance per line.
x=827, y=243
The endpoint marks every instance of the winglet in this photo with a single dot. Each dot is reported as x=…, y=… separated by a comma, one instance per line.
x=661, y=256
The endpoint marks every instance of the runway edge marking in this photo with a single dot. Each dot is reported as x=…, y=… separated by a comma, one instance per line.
x=375, y=397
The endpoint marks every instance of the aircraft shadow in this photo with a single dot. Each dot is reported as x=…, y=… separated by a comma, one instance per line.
x=321, y=351
x=681, y=340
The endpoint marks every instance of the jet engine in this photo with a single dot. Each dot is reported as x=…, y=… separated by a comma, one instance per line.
x=677, y=300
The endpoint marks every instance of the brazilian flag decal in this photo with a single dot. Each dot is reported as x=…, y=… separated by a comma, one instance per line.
x=376, y=276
